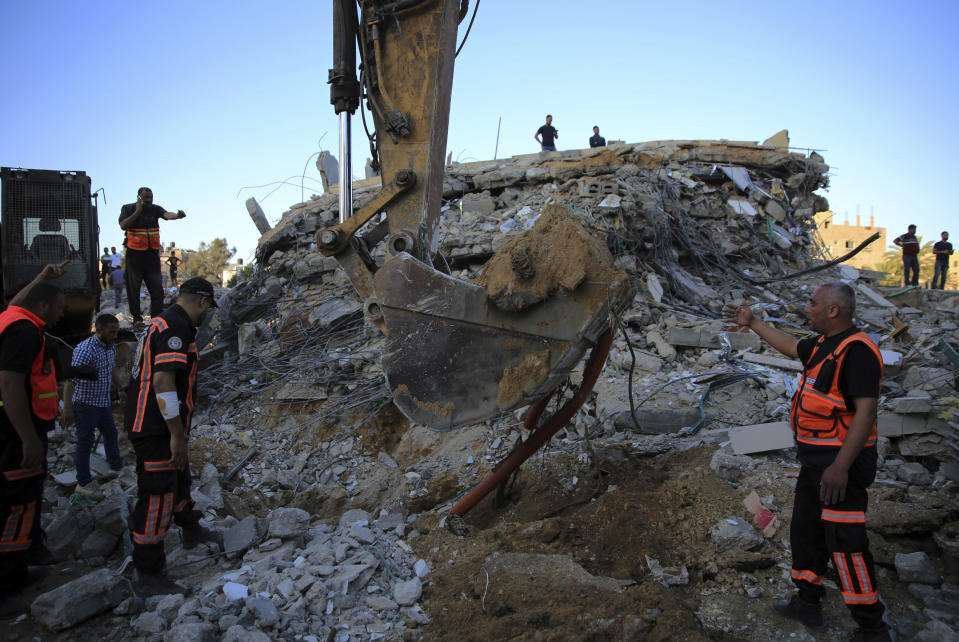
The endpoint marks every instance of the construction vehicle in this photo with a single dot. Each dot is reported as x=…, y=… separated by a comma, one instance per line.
x=50, y=216
x=455, y=354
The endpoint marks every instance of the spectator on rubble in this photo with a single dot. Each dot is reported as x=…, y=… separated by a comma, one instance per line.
x=89, y=403
x=117, y=276
x=910, y=255
x=596, y=140
x=105, y=266
x=943, y=250
x=116, y=259
x=160, y=401
x=834, y=423
x=546, y=135
x=173, y=261
x=140, y=222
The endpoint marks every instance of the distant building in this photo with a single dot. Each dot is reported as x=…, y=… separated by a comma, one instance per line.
x=230, y=271
x=840, y=239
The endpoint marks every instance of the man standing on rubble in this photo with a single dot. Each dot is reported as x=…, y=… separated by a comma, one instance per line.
x=910, y=255
x=943, y=250
x=140, y=222
x=28, y=407
x=160, y=401
x=596, y=140
x=834, y=422
x=546, y=135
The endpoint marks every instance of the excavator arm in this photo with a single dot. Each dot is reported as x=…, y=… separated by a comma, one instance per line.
x=456, y=352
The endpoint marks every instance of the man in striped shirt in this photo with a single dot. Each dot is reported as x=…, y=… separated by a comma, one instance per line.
x=910, y=255
x=88, y=403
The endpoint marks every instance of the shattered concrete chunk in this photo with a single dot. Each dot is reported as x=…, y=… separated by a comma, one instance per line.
x=916, y=567
x=736, y=534
x=288, y=522
x=80, y=599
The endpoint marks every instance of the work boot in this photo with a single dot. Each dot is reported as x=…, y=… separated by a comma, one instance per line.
x=196, y=534
x=11, y=607
x=91, y=491
x=150, y=584
x=878, y=634
x=809, y=613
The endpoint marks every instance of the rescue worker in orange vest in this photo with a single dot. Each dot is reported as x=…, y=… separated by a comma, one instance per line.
x=141, y=223
x=28, y=407
x=834, y=420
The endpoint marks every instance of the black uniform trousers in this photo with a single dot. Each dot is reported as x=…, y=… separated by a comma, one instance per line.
x=838, y=532
x=163, y=492
x=144, y=265
x=21, y=491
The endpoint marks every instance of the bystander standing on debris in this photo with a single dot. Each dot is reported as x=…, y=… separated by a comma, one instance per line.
x=943, y=250
x=910, y=255
x=89, y=403
x=596, y=140
x=159, y=405
x=546, y=135
x=29, y=404
x=105, y=265
x=173, y=262
x=834, y=422
x=116, y=259
x=140, y=222
x=117, y=276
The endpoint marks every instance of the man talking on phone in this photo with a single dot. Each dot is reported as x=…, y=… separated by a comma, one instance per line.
x=140, y=221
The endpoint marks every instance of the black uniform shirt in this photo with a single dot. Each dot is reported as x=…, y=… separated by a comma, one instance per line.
x=148, y=218
x=548, y=132
x=19, y=345
x=597, y=141
x=168, y=346
x=860, y=373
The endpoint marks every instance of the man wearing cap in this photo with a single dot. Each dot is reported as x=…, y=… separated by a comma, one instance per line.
x=160, y=400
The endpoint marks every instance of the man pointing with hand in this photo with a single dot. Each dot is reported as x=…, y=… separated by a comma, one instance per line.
x=834, y=421
x=140, y=222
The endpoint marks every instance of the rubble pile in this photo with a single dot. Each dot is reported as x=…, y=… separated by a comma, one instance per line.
x=658, y=510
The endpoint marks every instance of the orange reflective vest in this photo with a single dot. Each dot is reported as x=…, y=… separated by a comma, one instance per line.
x=146, y=238
x=43, y=379
x=821, y=418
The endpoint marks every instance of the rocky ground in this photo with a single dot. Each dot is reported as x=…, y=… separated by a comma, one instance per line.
x=335, y=508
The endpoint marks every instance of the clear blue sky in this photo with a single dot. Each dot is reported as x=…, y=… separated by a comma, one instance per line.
x=199, y=99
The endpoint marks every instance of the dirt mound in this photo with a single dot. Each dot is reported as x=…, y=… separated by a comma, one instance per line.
x=557, y=252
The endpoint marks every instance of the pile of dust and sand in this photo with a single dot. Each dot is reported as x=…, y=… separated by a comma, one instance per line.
x=557, y=252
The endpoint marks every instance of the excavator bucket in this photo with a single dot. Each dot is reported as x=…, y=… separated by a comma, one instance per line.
x=458, y=352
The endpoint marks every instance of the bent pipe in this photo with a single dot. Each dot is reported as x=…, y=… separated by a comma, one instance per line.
x=597, y=359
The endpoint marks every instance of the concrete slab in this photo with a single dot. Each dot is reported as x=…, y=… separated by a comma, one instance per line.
x=775, y=362
x=761, y=437
x=874, y=297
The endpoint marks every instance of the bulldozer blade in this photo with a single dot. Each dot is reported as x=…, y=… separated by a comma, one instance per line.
x=453, y=358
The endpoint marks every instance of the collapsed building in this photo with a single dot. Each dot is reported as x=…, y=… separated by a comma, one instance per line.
x=630, y=524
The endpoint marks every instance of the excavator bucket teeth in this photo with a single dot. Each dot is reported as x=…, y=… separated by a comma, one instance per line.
x=458, y=353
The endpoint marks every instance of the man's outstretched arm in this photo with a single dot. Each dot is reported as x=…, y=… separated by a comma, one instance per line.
x=743, y=316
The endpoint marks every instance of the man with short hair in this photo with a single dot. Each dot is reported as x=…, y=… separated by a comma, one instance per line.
x=116, y=259
x=834, y=422
x=105, y=265
x=546, y=135
x=943, y=250
x=173, y=261
x=89, y=402
x=910, y=255
x=160, y=400
x=140, y=222
x=28, y=407
x=596, y=140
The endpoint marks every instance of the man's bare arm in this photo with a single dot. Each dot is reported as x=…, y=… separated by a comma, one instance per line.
x=836, y=476
x=743, y=316
x=48, y=273
x=165, y=381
